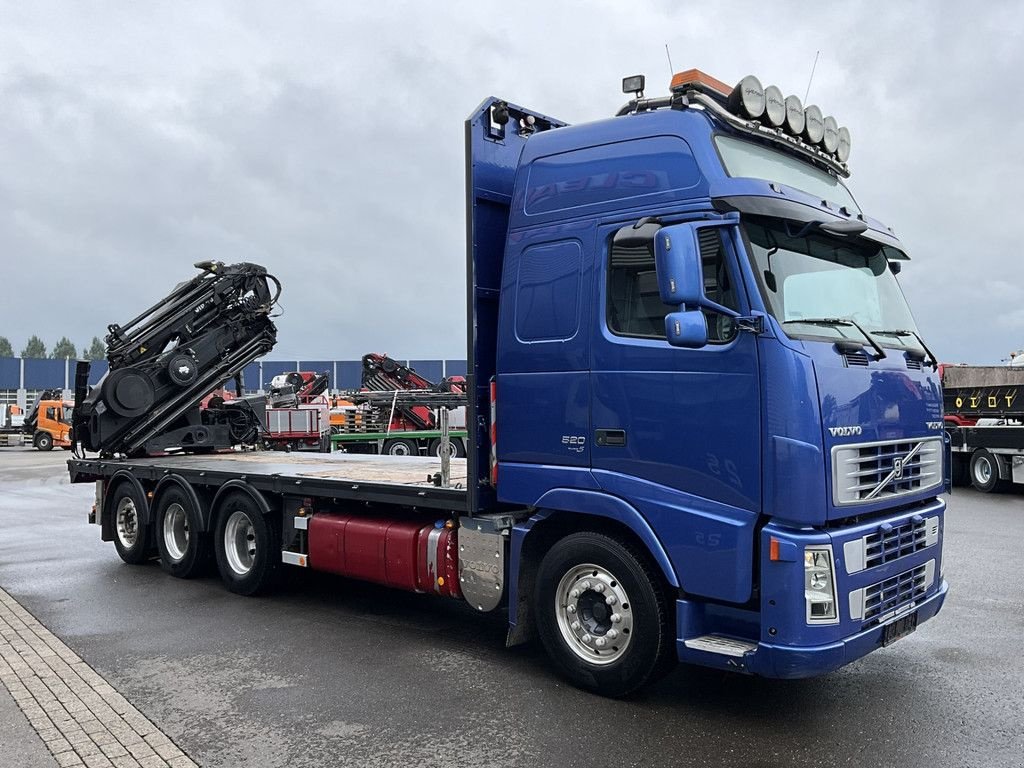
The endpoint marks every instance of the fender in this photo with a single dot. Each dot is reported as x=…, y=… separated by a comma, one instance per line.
x=205, y=510
x=106, y=526
x=612, y=507
x=593, y=503
x=244, y=487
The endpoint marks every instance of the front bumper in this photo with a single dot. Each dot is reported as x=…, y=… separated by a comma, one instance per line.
x=796, y=661
x=785, y=661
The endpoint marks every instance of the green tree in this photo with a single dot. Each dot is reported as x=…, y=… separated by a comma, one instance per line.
x=95, y=351
x=64, y=349
x=34, y=348
x=6, y=350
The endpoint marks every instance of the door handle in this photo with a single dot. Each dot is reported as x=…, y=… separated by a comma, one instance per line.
x=611, y=437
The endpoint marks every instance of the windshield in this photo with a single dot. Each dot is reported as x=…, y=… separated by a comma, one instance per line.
x=750, y=160
x=829, y=286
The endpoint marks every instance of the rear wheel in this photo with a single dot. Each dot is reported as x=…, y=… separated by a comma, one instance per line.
x=43, y=441
x=184, y=549
x=246, y=544
x=985, y=471
x=456, y=448
x=602, y=614
x=131, y=536
x=400, y=448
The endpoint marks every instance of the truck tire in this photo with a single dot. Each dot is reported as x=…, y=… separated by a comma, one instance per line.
x=131, y=535
x=401, y=448
x=246, y=544
x=961, y=470
x=184, y=549
x=43, y=441
x=603, y=615
x=456, y=451
x=985, y=471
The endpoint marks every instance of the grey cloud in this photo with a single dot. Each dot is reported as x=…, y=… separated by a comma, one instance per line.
x=325, y=141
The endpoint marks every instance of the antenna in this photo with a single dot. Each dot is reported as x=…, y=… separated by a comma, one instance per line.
x=809, y=79
x=671, y=71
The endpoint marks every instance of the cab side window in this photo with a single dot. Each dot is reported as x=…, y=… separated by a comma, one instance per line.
x=634, y=303
x=51, y=413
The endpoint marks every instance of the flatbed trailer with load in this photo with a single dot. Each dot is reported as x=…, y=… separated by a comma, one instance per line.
x=984, y=418
x=702, y=424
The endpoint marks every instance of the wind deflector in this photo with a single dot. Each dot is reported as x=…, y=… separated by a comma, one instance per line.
x=496, y=133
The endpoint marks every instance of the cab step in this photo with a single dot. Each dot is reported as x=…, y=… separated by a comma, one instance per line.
x=726, y=646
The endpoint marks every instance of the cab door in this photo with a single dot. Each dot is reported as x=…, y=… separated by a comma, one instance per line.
x=676, y=432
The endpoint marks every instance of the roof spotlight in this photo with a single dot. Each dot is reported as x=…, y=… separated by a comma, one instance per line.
x=747, y=97
x=831, y=137
x=774, y=105
x=814, y=124
x=843, y=150
x=794, y=123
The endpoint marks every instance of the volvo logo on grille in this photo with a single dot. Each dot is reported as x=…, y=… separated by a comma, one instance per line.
x=845, y=431
x=898, y=465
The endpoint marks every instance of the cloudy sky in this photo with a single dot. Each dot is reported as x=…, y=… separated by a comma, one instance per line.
x=324, y=140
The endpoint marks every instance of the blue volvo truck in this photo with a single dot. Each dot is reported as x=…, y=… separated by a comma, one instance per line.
x=703, y=426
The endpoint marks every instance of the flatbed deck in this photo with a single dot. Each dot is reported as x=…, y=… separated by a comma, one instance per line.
x=385, y=479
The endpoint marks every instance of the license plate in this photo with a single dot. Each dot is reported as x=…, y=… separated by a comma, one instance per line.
x=899, y=628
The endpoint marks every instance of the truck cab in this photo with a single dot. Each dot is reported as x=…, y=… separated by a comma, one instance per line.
x=699, y=344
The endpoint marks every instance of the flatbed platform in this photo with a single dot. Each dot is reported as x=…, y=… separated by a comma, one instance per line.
x=386, y=479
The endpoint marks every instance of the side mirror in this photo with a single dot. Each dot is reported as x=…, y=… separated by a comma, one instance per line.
x=686, y=329
x=677, y=260
x=895, y=267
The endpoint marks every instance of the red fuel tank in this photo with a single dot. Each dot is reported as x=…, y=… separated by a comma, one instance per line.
x=405, y=554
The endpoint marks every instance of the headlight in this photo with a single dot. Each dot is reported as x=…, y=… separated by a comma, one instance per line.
x=794, y=116
x=814, y=124
x=820, y=585
x=774, y=106
x=747, y=98
x=843, y=150
x=830, y=139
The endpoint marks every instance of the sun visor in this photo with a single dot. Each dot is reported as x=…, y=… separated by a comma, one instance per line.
x=787, y=209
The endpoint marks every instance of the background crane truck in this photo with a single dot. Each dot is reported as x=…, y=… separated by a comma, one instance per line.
x=398, y=412
x=47, y=422
x=703, y=426
x=984, y=418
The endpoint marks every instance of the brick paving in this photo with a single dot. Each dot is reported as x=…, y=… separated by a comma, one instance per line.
x=79, y=716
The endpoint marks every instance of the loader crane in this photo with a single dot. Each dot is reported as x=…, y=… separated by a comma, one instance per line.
x=165, y=360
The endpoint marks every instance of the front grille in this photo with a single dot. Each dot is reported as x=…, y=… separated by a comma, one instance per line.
x=874, y=471
x=914, y=363
x=891, y=543
x=881, y=600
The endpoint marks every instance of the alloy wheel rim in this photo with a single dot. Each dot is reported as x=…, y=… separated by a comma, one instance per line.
x=594, y=614
x=240, y=543
x=127, y=519
x=176, y=532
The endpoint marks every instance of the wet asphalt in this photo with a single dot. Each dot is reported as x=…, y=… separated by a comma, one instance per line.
x=330, y=672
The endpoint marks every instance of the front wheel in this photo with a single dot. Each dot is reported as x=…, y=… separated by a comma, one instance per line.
x=246, y=544
x=602, y=614
x=43, y=441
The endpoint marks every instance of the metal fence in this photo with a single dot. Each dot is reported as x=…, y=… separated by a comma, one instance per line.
x=21, y=376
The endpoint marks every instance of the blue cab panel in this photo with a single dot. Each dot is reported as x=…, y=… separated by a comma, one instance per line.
x=717, y=458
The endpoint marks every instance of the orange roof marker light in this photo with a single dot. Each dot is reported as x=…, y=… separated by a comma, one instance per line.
x=694, y=79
